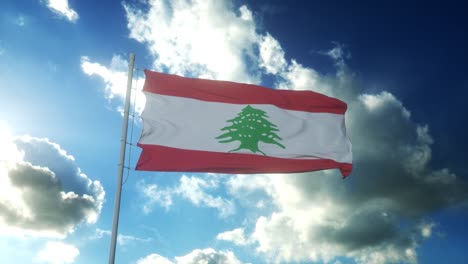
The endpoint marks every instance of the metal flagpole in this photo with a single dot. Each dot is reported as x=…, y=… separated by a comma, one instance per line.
x=123, y=144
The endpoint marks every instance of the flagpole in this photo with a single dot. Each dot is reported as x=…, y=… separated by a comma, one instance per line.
x=123, y=144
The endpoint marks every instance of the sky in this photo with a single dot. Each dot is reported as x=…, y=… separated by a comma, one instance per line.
x=401, y=68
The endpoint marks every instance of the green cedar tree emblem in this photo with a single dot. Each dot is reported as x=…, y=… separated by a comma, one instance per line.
x=250, y=127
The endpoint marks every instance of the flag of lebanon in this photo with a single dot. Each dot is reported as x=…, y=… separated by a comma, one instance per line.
x=197, y=125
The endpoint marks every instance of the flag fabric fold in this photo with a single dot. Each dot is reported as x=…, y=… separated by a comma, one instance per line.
x=197, y=125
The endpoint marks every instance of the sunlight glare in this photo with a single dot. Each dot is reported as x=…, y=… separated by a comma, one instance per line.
x=10, y=156
x=8, y=151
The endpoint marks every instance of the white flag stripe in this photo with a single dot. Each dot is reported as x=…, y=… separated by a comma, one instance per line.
x=192, y=124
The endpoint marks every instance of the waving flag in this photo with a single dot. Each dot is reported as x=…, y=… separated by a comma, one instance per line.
x=197, y=125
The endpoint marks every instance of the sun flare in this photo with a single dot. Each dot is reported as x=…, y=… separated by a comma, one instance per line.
x=10, y=156
x=9, y=153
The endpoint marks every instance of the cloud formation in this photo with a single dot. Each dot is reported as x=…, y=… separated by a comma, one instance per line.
x=154, y=259
x=235, y=236
x=122, y=240
x=195, y=190
x=209, y=39
x=43, y=191
x=62, y=9
x=57, y=253
x=115, y=78
x=207, y=255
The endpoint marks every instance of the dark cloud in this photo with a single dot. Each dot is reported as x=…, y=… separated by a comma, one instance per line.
x=358, y=232
x=53, y=195
x=46, y=154
x=380, y=213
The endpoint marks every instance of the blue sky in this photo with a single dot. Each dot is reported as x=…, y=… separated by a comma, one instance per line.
x=401, y=67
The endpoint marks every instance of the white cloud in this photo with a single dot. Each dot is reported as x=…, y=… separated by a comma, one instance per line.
x=206, y=39
x=271, y=55
x=155, y=196
x=42, y=190
x=154, y=259
x=207, y=255
x=115, y=78
x=194, y=189
x=57, y=253
x=61, y=8
x=122, y=240
x=236, y=236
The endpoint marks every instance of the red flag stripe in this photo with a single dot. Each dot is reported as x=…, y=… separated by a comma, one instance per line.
x=161, y=158
x=239, y=93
